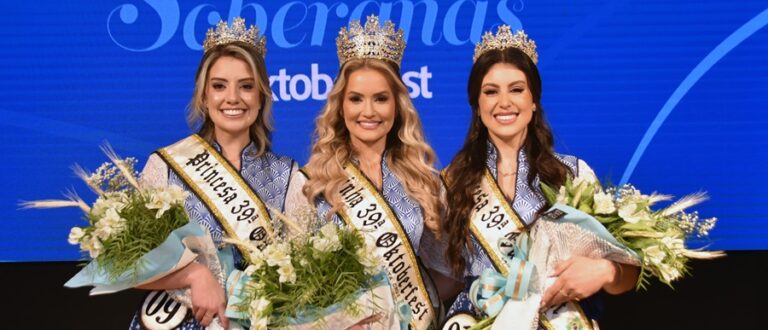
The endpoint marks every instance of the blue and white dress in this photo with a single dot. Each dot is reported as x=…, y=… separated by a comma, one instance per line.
x=269, y=175
x=528, y=201
x=407, y=210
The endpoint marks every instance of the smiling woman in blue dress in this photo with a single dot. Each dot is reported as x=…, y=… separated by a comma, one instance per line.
x=371, y=167
x=507, y=154
x=228, y=156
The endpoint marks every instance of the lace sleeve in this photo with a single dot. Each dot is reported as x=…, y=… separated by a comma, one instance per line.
x=295, y=199
x=585, y=172
x=155, y=172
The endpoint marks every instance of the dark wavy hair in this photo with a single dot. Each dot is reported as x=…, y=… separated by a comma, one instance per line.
x=466, y=169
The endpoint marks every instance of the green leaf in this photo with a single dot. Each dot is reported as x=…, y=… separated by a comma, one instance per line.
x=584, y=207
x=640, y=226
x=588, y=197
x=606, y=219
x=549, y=193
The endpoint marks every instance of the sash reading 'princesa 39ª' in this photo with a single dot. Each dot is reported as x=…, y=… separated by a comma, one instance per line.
x=365, y=209
x=493, y=221
x=232, y=202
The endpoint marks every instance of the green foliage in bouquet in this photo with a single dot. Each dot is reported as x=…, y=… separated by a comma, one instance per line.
x=302, y=276
x=657, y=236
x=126, y=221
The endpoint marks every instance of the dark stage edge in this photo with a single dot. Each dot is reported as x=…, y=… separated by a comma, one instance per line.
x=721, y=294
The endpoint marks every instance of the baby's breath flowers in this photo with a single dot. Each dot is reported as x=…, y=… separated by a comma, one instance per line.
x=657, y=236
x=126, y=221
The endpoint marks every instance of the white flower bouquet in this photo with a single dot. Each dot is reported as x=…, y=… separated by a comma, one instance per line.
x=330, y=279
x=132, y=234
x=657, y=237
x=617, y=224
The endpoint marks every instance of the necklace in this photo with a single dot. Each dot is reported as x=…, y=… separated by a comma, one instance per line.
x=507, y=174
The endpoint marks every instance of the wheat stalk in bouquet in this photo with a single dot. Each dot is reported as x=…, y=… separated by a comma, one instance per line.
x=657, y=236
x=126, y=221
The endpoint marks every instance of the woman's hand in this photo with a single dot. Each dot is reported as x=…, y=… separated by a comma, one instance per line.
x=579, y=278
x=208, y=297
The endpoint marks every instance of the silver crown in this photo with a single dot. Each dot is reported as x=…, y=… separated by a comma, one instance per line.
x=236, y=33
x=370, y=41
x=504, y=39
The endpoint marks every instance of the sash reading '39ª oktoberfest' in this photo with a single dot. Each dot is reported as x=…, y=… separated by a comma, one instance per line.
x=230, y=199
x=492, y=220
x=365, y=209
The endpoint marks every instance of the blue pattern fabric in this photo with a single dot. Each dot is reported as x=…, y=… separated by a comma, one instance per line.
x=405, y=208
x=268, y=175
x=462, y=304
x=188, y=324
x=528, y=201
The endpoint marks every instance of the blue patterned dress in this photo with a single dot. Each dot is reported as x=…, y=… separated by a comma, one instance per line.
x=407, y=211
x=528, y=201
x=269, y=175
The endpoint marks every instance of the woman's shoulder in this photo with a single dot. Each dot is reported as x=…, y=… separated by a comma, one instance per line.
x=155, y=172
x=578, y=165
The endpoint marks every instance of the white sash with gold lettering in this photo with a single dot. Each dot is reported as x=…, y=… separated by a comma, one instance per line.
x=492, y=220
x=494, y=224
x=230, y=199
x=365, y=209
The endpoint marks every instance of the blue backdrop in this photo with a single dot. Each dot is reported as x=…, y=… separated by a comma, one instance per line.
x=668, y=95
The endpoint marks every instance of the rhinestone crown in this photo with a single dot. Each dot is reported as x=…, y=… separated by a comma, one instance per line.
x=504, y=39
x=370, y=41
x=235, y=33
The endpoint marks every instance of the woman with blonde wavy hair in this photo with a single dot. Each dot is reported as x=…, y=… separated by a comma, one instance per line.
x=399, y=143
x=371, y=166
x=229, y=155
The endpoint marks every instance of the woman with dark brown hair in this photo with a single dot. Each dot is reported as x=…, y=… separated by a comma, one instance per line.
x=493, y=183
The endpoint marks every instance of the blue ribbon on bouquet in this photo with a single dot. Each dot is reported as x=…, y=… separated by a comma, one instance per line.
x=491, y=290
x=157, y=261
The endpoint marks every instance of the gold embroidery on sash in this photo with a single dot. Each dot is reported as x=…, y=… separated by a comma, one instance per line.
x=248, y=216
x=362, y=202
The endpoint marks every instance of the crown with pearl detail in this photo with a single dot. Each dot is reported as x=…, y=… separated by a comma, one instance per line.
x=235, y=33
x=504, y=39
x=370, y=41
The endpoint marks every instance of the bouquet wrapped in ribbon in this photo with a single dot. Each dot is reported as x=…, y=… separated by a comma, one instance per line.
x=326, y=279
x=305, y=278
x=657, y=237
x=617, y=224
x=133, y=235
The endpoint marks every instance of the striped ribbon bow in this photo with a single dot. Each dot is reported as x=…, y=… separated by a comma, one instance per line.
x=492, y=289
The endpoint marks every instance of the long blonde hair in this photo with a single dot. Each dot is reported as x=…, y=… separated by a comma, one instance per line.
x=409, y=156
x=197, y=115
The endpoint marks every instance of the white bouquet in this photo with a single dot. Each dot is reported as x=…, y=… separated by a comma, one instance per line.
x=133, y=235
